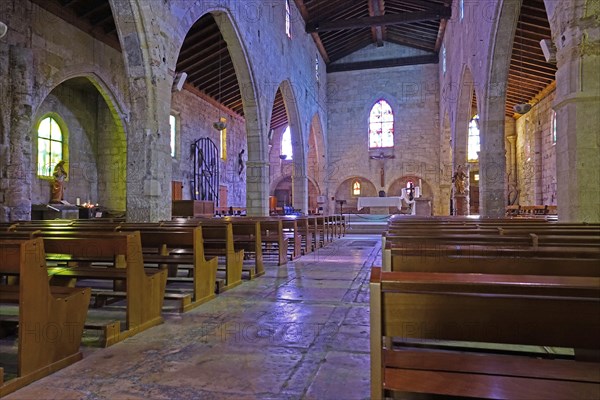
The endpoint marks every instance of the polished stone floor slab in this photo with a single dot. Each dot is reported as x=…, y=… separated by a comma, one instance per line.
x=301, y=331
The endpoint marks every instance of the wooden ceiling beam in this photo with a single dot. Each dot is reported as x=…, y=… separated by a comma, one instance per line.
x=302, y=7
x=392, y=62
x=383, y=20
x=376, y=9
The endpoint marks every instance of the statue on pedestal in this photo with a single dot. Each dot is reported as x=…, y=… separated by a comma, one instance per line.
x=460, y=180
x=58, y=183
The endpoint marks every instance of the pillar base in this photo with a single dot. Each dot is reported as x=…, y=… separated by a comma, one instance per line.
x=461, y=204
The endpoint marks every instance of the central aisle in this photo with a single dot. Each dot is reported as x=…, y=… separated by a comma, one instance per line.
x=299, y=332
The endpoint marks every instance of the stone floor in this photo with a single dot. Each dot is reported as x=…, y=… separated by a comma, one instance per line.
x=299, y=332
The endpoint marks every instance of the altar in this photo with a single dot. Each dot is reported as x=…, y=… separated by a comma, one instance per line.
x=379, y=205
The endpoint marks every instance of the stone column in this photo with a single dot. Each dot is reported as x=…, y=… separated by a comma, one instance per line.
x=257, y=189
x=148, y=155
x=512, y=194
x=577, y=106
x=300, y=191
x=492, y=161
x=17, y=172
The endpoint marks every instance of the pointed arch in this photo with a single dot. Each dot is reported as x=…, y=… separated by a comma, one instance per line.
x=299, y=176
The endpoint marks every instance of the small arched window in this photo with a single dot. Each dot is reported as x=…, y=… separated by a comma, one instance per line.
x=286, y=144
x=50, y=146
x=356, y=188
x=553, y=127
x=443, y=60
x=381, y=125
x=473, y=141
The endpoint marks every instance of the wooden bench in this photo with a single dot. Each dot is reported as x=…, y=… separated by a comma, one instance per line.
x=144, y=290
x=218, y=241
x=420, y=309
x=306, y=234
x=181, y=246
x=556, y=261
x=51, y=319
x=273, y=239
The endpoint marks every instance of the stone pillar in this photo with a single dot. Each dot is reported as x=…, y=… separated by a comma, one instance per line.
x=257, y=189
x=511, y=168
x=300, y=191
x=149, y=157
x=577, y=106
x=492, y=161
x=444, y=201
x=17, y=170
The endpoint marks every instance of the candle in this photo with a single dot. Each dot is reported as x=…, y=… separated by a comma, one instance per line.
x=78, y=201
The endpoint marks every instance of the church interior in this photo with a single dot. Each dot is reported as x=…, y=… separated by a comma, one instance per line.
x=299, y=199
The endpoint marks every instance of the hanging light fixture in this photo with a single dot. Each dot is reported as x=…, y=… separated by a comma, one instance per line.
x=220, y=124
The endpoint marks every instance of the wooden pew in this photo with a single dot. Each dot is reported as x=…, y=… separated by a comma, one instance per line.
x=556, y=261
x=179, y=246
x=144, y=291
x=51, y=319
x=291, y=231
x=522, y=310
x=249, y=235
x=218, y=241
x=273, y=238
x=306, y=234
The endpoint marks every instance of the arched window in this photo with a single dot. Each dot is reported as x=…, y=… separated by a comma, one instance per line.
x=286, y=144
x=473, y=141
x=50, y=146
x=443, y=59
x=381, y=126
x=553, y=128
x=356, y=188
x=173, y=126
x=288, y=24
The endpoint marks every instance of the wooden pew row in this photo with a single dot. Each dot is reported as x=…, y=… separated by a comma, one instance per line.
x=219, y=241
x=306, y=235
x=176, y=247
x=521, y=310
x=274, y=238
x=144, y=290
x=220, y=237
x=51, y=319
x=555, y=261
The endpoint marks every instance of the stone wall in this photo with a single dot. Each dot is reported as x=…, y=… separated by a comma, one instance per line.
x=412, y=92
x=196, y=117
x=536, y=155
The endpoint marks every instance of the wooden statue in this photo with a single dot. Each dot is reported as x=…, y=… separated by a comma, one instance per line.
x=460, y=180
x=58, y=183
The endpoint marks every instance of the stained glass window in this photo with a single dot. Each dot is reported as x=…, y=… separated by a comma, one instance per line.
x=381, y=126
x=473, y=141
x=356, y=188
x=286, y=144
x=50, y=146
